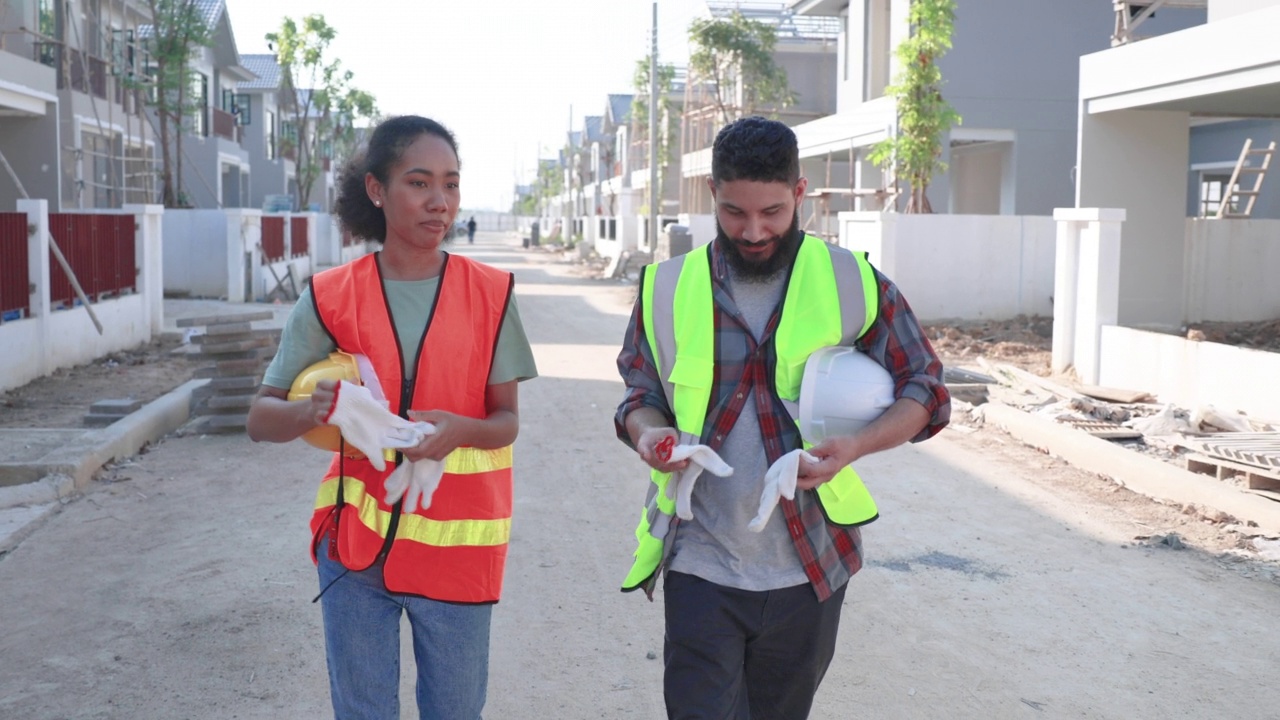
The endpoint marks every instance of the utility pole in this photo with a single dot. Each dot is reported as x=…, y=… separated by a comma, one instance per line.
x=655, y=193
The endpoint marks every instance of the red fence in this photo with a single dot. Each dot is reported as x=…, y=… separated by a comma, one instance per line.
x=298, y=236
x=15, y=298
x=273, y=238
x=101, y=252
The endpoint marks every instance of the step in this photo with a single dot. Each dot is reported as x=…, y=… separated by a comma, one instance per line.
x=223, y=319
x=115, y=406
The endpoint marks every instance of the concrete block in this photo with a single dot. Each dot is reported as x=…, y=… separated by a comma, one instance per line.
x=222, y=319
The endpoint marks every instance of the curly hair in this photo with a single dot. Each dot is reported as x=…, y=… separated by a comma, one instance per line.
x=755, y=148
x=387, y=143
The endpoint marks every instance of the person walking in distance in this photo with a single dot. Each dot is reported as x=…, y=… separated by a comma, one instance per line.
x=471, y=230
x=421, y=530
x=714, y=355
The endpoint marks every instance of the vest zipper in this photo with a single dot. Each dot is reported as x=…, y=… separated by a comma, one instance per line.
x=406, y=396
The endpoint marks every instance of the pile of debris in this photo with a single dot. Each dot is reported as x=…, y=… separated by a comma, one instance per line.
x=1229, y=446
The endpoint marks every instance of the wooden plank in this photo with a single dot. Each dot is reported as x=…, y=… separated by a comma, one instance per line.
x=219, y=319
x=1114, y=394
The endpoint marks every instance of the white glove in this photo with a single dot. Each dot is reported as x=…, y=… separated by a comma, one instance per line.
x=415, y=481
x=365, y=423
x=779, y=482
x=680, y=486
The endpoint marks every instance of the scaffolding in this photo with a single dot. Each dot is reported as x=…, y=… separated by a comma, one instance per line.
x=708, y=106
x=1132, y=13
x=106, y=163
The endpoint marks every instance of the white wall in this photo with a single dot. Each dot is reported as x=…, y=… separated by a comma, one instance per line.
x=51, y=339
x=966, y=267
x=702, y=227
x=1220, y=9
x=1191, y=374
x=195, y=253
x=1230, y=270
x=1137, y=160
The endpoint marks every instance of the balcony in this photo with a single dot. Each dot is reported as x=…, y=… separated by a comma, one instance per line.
x=224, y=125
x=79, y=71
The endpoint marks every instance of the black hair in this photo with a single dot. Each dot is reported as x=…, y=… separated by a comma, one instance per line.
x=755, y=148
x=386, y=145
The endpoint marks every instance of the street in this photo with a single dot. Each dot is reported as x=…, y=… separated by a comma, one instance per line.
x=181, y=586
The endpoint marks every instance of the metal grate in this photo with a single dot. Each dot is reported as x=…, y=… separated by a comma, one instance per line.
x=15, y=298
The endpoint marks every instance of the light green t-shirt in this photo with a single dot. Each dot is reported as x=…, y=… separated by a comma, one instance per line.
x=304, y=340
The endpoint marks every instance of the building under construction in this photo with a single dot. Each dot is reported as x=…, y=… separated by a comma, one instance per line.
x=805, y=50
x=73, y=121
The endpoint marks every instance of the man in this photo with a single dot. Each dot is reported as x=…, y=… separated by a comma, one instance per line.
x=471, y=230
x=713, y=356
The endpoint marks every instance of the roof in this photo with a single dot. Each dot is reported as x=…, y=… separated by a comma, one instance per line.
x=210, y=10
x=267, y=70
x=593, y=125
x=620, y=108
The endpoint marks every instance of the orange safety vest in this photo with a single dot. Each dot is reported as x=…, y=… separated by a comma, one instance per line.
x=455, y=550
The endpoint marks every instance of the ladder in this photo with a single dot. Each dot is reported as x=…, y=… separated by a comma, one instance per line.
x=1232, y=196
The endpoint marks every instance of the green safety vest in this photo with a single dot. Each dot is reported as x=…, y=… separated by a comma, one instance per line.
x=831, y=299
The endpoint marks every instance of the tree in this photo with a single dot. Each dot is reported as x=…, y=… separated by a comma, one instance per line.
x=324, y=105
x=178, y=28
x=666, y=112
x=736, y=55
x=914, y=153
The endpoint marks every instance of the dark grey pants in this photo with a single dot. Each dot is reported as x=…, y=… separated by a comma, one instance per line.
x=742, y=655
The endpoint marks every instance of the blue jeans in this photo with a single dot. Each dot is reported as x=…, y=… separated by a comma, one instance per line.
x=362, y=646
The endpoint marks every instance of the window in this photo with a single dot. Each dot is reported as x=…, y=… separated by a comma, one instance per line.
x=242, y=108
x=48, y=18
x=1213, y=192
x=269, y=122
x=199, y=93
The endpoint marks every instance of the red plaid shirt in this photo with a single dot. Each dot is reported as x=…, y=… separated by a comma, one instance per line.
x=744, y=370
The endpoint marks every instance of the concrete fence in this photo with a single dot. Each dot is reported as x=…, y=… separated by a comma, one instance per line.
x=960, y=267
x=1229, y=270
x=220, y=253
x=48, y=339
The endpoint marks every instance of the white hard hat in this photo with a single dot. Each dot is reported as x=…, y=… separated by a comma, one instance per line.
x=841, y=392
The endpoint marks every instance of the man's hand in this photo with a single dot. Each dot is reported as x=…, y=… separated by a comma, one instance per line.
x=649, y=445
x=834, y=454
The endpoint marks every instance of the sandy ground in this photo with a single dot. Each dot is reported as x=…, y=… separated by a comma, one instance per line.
x=1000, y=583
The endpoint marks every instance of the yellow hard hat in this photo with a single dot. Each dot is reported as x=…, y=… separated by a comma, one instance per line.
x=338, y=366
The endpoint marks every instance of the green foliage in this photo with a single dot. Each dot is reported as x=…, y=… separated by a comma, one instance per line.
x=178, y=29
x=736, y=55
x=640, y=108
x=914, y=154
x=319, y=95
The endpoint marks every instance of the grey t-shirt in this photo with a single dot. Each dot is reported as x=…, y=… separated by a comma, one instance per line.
x=304, y=340
x=716, y=545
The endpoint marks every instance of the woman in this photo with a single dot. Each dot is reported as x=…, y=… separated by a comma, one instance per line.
x=442, y=335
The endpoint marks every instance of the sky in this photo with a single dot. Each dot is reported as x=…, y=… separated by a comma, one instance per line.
x=503, y=75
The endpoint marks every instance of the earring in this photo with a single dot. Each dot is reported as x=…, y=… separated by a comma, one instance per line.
x=377, y=203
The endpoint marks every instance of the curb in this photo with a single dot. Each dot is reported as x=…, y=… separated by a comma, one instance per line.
x=26, y=506
x=71, y=468
x=1148, y=476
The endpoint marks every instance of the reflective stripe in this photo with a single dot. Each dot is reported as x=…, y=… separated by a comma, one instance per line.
x=469, y=461
x=441, y=533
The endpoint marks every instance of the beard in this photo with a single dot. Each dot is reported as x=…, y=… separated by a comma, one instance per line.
x=760, y=271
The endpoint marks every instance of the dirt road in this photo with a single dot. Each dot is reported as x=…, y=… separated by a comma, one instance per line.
x=998, y=585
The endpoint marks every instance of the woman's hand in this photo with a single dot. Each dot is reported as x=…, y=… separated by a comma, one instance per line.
x=451, y=433
x=323, y=397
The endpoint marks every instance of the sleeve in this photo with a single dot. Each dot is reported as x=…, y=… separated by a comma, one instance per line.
x=898, y=343
x=513, y=358
x=640, y=375
x=302, y=342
